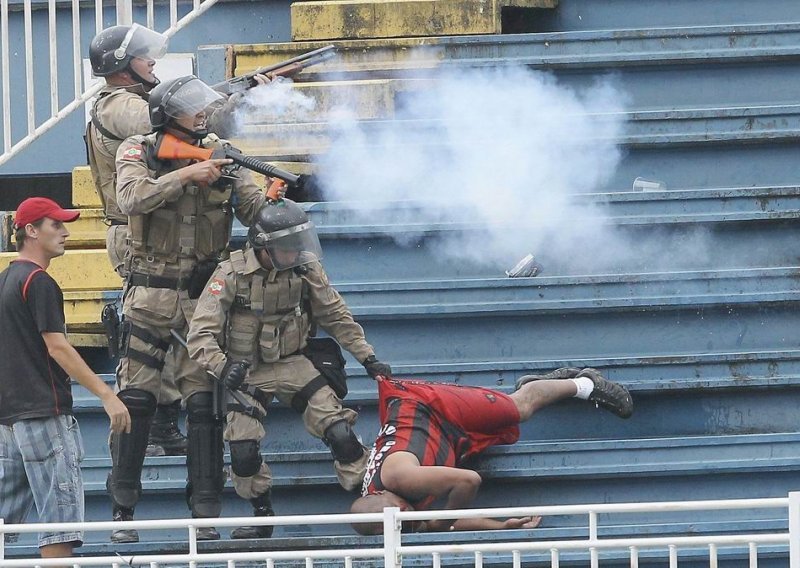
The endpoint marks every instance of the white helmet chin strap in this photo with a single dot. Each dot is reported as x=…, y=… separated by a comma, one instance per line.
x=120, y=52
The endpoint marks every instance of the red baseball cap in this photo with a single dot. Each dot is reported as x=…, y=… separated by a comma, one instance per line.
x=35, y=208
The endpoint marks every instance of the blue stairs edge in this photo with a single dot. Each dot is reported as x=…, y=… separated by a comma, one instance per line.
x=687, y=395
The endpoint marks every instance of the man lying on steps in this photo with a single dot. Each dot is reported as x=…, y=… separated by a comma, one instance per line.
x=430, y=429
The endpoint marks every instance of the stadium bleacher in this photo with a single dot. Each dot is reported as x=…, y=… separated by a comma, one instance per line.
x=707, y=343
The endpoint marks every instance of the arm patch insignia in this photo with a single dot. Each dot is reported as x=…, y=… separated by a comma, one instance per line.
x=216, y=286
x=134, y=153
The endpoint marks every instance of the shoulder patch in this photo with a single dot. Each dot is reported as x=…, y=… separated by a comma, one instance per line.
x=134, y=153
x=216, y=286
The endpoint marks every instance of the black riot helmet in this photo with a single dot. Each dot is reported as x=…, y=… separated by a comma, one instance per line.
x=112, y=50
x=283, y=229
x=181, y=97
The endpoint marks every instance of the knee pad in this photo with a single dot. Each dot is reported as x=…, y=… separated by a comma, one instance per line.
x=345, y=446
x=138, y=402
x=200, y=407
x=245, y=457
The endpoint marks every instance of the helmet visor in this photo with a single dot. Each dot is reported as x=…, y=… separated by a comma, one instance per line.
x=143, y=43
x=294, y=246
x=193, y=97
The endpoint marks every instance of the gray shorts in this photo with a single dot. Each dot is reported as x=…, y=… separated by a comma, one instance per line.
x=40, y=463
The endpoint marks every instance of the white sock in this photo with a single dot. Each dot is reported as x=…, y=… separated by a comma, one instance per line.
x=585, y=387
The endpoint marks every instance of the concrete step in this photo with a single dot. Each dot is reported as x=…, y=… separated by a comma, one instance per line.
x=348, y=220
x=354, y=19
x=380, y=305
x=620, y=49
x=769, y=555
x=645, y=129
x=84, y=195
x=691, y=395
x=605, y=471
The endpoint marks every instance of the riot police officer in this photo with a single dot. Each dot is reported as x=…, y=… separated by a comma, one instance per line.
x=261, y=304
x=180, y=217
x=125, y=56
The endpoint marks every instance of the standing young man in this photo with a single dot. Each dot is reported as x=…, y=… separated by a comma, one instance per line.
x=40, y=442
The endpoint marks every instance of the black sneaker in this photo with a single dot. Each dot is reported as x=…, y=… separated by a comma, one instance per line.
x=562, y=373
x=612, y=396
x=252, y=532
x=124, y=536
x=207, y=533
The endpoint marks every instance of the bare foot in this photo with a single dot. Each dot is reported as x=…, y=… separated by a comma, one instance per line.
x=523, y=523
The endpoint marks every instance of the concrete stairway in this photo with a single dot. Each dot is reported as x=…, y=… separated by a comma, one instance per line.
x=698, y=317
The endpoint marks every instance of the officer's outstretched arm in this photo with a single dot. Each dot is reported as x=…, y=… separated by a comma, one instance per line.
x=249, y=197
x=331, y=313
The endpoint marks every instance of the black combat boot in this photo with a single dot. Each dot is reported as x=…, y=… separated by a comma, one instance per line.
x=262, y=507
x=164, y=432
x=207, y=533
x=123, y=536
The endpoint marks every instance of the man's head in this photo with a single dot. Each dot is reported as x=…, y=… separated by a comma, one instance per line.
x=41, y=220
x=181, y=106
x=376, y=503
x=125, y=55
x=283, y=236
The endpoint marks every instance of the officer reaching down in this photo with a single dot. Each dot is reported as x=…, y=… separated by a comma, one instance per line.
x=251, y=327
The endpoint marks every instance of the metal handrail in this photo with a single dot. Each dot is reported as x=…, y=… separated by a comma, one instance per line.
x=13, y=147
x=393, y=549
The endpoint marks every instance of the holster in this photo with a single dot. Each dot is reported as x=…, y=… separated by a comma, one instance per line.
x=111, y=324
x=200, y=276
x=326, y=356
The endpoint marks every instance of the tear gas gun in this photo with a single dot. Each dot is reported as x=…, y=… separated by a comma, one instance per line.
x=288, y=68
x=170, y=147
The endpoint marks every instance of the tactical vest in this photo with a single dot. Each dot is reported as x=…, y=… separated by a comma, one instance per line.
x=268, y=319
x=197, y=226
x=110, y=208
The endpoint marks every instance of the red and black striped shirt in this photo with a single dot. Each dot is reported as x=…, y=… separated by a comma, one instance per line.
x=440, y=424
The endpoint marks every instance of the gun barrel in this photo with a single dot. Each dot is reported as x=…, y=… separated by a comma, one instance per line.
x=243, y=82
x=264, y=168
x=320, y=55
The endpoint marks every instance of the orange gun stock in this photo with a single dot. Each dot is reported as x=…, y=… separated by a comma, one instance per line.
x=170, y=147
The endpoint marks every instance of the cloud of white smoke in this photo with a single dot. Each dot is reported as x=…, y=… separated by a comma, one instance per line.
x=505, y=148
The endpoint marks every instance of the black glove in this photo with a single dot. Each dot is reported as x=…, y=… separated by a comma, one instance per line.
x=375, y=368
x=234, y=373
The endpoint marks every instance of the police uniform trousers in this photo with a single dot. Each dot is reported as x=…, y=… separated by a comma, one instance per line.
x=282, y=380
x=117, y=238
x=158, y=311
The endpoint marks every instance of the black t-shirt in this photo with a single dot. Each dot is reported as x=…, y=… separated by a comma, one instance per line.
x=32, y=385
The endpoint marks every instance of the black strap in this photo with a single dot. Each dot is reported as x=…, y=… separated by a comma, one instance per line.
x=116, y=222
x=256, y=393
x=103, y=130
x=153, y=281
x=301, y=398
x=149, y=338
x=251, y=411
x=144, y=359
